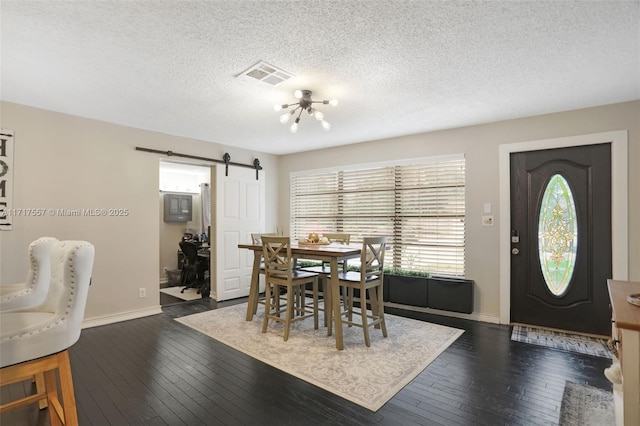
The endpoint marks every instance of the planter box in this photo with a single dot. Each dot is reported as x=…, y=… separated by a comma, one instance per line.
x=451, y=294
x=407, y=290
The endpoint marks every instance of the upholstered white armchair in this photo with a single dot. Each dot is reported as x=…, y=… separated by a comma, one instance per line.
x=35, y=340
x=34, y=290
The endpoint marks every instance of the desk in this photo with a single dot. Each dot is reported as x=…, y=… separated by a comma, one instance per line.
x=331, y=253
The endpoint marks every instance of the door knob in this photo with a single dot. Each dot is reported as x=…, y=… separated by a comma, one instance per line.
x=515, y=251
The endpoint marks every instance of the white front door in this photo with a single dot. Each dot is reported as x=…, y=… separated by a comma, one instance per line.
x=240, y=210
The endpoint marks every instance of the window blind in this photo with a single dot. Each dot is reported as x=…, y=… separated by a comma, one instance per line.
x=419, y=207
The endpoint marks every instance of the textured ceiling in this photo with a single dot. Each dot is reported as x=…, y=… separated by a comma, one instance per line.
x=397, y=67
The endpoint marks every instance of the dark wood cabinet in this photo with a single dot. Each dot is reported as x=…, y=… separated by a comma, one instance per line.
x=178, y=207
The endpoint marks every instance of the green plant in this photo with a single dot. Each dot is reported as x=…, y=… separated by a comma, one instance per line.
x=396, y=271
x=406, y=272
x=307, y=263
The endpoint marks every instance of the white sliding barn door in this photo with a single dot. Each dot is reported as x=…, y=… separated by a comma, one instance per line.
x=240, y=210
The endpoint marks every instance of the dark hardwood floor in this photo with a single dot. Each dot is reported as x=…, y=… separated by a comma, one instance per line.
x=156, y=371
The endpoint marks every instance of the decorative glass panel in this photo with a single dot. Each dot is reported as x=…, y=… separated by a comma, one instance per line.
x=557, y=235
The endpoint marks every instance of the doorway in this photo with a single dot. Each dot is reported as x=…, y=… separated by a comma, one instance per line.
x=619, y=203
x=561, y=238
x=183, y=183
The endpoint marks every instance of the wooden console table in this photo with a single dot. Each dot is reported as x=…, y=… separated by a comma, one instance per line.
x=626, y=329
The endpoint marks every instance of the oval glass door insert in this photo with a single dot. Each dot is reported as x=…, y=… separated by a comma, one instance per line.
x=557, y=235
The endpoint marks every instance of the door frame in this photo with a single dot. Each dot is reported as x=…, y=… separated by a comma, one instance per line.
x=619, y=203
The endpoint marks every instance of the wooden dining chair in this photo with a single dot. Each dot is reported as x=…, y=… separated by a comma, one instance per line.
x=256, y=239
x=279, y=272
x=369, y=281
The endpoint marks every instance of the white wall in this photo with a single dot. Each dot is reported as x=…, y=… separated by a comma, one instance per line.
x=480, y=145
x=68, y=162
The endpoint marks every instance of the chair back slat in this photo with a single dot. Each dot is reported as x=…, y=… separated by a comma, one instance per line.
x=256, y=237
x=338, y=237
x=372, y=257
x=276, y=252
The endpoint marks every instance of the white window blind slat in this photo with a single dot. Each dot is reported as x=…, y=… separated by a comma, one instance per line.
x=419, y=207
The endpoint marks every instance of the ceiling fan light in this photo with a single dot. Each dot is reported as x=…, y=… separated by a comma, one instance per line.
x=305, y=103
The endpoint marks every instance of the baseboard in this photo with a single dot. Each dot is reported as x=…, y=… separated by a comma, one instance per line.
x=125, y=316
x=494, y=319
x=122, y=316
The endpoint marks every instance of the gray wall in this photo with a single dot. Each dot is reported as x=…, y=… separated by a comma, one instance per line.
x=69, y=162
x=64, y=161
x=480, y=145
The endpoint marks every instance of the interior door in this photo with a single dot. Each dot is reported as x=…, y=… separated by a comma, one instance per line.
x=240, y=210
x=561, y=238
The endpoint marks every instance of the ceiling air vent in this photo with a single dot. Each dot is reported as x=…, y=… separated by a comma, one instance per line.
x=266, y=73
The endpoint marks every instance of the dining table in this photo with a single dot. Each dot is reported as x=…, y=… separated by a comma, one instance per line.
x=330, y=253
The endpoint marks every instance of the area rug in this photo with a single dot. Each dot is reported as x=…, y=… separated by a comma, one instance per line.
x=584, y=405
x=563, y=341
x=365, y=376
x=189, y=294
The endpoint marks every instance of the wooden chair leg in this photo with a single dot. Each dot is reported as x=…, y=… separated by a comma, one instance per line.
x=289, y=314
x=267, y=307
x=64, y=413
x=40, y=388
x=275, y=294
x=43, y=371
x=301, y=300
x=349, y=304
x=383, y=324
x=55, y=409
x=315, y=303
x=66, y=387
x=363, y=312
x=375, y=306
x=345, y=297
x=328, y=305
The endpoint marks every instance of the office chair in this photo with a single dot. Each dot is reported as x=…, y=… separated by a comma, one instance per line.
x=194, y=267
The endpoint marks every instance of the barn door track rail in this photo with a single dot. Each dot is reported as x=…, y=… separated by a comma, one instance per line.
x=226, y=159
